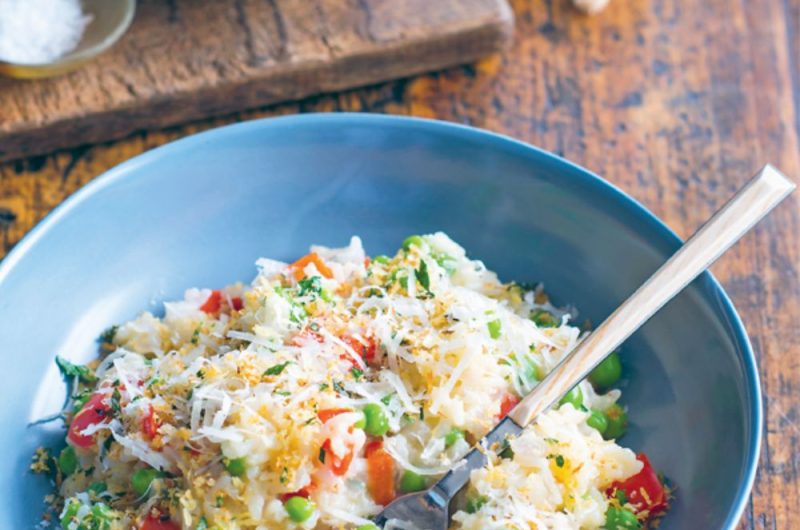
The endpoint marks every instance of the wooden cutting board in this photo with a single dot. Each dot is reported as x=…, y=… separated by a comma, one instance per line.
x=186, y=59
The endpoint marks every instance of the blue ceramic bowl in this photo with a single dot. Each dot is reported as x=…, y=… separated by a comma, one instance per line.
x=198, y=212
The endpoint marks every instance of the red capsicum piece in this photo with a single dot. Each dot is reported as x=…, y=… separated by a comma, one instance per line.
x=380, y=473
x=365, y=351
x=339, y=466
x=236, y=303
x=314, y=258
x=150, y=424
x=213, y=303
x=159, y=523
x=302, y=492
x=509, y=402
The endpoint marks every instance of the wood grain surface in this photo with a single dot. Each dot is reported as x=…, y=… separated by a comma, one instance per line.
x=677, y=102
x=188, y=59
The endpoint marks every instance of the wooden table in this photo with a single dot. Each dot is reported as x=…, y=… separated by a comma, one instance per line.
x=675, y=101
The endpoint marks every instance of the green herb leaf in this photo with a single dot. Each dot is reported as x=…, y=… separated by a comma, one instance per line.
x=68, y=369
x=423, y=277
x=107, y=336
x=621, y=497
x=277, y=369
x=309, y=285
x=357, y=373
x=202, y=524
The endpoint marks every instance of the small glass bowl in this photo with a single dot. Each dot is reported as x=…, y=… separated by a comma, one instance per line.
x=110, y=20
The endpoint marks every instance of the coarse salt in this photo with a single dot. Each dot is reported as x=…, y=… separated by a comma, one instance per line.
x=40, y=31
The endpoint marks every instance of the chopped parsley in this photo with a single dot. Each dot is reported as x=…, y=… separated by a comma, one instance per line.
x=277, y=369
x=423, y=277
x=309, y=285
x=107, y=336
x=621, y=497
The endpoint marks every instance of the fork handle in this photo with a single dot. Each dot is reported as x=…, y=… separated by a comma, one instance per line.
x=760, y=195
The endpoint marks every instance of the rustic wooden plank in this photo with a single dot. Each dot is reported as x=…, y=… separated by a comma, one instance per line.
x=188, y=59
x=676, y=101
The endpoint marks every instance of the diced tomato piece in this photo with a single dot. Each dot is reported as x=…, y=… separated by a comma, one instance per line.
x=159, y=523
x=371, y=447
x=365, y=351
x=301, y=338
x=380, y=474
x=367, y=261
x=314, y=258
x=93, y=412
x=212, y=303
x=339, y=466
x=150, y=424
x=236, y=303
x=302, y=492
x=509, y=402
x=643, y=490
x=326, y=414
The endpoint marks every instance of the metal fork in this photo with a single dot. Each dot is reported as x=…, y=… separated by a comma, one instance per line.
x=429, y=510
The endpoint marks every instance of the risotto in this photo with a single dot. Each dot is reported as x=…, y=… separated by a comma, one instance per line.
x=314, y=396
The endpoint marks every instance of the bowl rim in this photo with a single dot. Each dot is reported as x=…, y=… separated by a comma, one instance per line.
x=578, y=173
x=78, y=57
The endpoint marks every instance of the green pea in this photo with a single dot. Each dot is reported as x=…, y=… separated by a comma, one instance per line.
x=103, y=516
x=411, y=482
x=607, y=372
x=142, y=479
x=452, y=437
x=368, y=526
x=495, y=328
x=362, y=423
x=299, y=509
x=597, y=420
x=237, y=466
x=412, y=241
x=383, y=260
x=68, y=461
x=98, y=487
x=543, y=319
x=621, y=519
x=574, y=396
x=476, y=503
x=377, y=424
x=617, y=422
x=70, y=513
